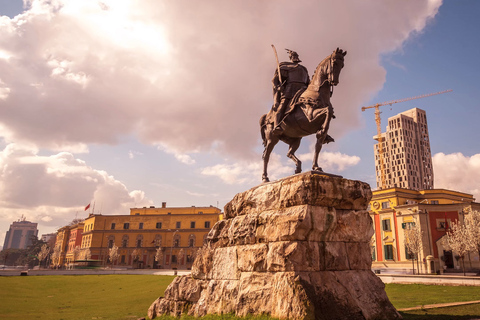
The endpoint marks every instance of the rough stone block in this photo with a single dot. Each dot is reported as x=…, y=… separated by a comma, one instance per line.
x=252, y=257
x=335, y=255
x=359, y=255
x=224, y=264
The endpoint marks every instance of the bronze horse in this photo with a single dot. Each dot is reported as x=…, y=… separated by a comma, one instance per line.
x=310, y=112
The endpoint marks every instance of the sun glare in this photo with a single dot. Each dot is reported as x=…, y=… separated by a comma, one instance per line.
x=116, y=23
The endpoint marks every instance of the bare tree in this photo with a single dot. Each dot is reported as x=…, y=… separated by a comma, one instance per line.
x=113, y=254
x=456, y=239
x=43, y=254
x=413, y=242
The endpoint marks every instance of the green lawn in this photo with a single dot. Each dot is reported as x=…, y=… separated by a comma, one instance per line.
x=412, y=295
x=127, y=297
x=79, y=297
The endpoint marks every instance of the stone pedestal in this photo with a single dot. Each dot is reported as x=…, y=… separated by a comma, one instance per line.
x=297, y=248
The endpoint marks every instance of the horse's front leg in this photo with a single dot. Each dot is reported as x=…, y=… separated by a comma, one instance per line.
x=321, y=137
x=270, y=143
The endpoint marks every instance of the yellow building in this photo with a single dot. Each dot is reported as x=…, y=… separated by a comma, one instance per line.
x=394, y=210
x=61, y=245
x=176, y=232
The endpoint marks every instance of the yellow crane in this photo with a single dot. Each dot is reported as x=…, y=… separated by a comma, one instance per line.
x=379, y=128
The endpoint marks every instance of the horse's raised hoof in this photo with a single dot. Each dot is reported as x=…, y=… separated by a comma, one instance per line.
x=317, y=169
x=298, y=171
x=265, y=178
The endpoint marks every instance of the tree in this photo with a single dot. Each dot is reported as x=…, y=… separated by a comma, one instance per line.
x=113, y=254
x=56, y=256
x=76, y=253
x=87, y=254
x=457, y=239
x=413, y=242
x=181, y=254
x=472, y=225
x=43, y=254
x=159, y=255
x=135, y=255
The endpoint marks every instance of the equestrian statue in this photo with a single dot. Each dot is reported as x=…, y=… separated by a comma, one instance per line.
x=301, y=107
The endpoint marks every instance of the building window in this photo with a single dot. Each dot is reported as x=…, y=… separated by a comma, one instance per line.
x=434, y=202
x=126, y=225
x=408, y=254
x=388, y=248
x=385, y=205
x=386, y=225
x=207, y=224
x=139, y=243
x=174, y=259
x=178, y=225
x=176, y=242
x=192, y=225
x=125, y=241
x=110, y=243
x=408, y=225
x=112, y=226
x=191, y=241
x=140, y=225
x=122, y=259
x=158, y=225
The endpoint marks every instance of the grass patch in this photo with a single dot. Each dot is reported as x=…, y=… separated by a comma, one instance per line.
x=127, y=297
x=80, y=297
x=412, y=295
x=467, y=312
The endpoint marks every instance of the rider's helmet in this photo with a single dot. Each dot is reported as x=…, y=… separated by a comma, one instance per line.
x=293, y=56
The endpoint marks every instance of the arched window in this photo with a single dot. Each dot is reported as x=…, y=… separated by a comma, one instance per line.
x=124, y=241
x=176, y=241
x=191, y=240
x=139, y=241
x=111, y=241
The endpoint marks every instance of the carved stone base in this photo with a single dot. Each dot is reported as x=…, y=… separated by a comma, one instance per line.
x=296, y=248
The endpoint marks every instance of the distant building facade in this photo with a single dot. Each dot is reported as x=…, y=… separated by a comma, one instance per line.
x=407, y=158
x=19, y=235
x=178, y=232
x=48, y=237
x=396, y=209
x=75, y=233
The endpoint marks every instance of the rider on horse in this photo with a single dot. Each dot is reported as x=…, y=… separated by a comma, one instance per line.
x=294, y=77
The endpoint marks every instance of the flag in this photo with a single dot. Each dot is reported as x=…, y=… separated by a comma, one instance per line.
x=86, y=208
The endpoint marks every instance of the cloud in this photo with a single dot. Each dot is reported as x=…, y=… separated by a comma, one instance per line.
x=191, y=79
x=247, y=172
x=50, y=189
x=457, y=172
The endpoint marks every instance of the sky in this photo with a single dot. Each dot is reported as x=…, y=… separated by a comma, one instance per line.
x=131, y=103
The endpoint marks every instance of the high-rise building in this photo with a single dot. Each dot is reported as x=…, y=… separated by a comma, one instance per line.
x=19, y=236
x=406, y=156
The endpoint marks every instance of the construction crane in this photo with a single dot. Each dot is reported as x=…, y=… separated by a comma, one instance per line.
x=379, y=128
